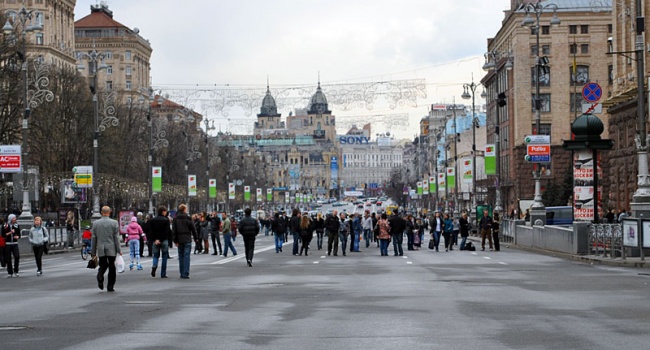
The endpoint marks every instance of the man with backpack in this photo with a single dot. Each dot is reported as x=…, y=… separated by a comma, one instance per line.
x=279, y=228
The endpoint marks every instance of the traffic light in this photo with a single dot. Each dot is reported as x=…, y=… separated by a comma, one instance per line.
x=501, y=99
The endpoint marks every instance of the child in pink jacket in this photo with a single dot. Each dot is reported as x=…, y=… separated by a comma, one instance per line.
x=133, y=233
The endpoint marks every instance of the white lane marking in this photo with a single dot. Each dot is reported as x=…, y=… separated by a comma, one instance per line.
x=316, y=262
x=474, y=253
x=405, y=257
x=409, y=263
x=322, y=256
x=503, y=263
x=487, y=258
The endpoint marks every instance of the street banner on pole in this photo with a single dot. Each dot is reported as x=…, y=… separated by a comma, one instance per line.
x=259, y=195
x=490, y=160
x=191, y=185
x=432, y=184
x=212, y=188
x=425, y=186
x=247, y=193
x=156, y=179
x=269, y=194
x=467, y=171
x=441, y=180
x=287, y=197
x=451, y=178
x=231, y=190
x=419, y=184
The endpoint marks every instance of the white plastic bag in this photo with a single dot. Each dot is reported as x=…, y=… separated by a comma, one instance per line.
x=119, y=263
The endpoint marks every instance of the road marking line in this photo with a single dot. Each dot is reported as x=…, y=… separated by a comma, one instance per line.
x=322, y=256
x=409, y=263
x=316, y=262
x=503, y=263
x=487, y=258
x=405, y=257
x=239, y=256
x=474, y=253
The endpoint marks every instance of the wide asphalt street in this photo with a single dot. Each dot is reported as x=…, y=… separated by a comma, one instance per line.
x=511, y=299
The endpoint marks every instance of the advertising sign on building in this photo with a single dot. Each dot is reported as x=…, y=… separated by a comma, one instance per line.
x=71, y=192
x=334, y=171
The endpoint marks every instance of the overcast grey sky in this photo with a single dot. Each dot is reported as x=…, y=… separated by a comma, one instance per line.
x=291, y=41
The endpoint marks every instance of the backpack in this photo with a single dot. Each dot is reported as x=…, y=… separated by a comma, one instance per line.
x=281, y=226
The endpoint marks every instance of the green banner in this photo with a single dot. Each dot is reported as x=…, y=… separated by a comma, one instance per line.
x=156, y=179
x=419, y=187
x=212, y=188
x=247, y=193
x=432, y=184
x=451, y=178
x=490, y=160
x=269, y=194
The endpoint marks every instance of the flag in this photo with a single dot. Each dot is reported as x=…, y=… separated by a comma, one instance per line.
x=156, y=179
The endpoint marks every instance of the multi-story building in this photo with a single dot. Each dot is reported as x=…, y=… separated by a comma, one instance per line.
x=55, y=43
x=622, y=167
x=126, y=54
x=576, y=53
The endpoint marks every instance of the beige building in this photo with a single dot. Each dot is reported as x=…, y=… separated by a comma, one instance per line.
x=55, y=43
x=125, y=53
x=581, y=40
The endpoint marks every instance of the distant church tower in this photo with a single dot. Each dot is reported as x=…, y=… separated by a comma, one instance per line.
x=269, y=118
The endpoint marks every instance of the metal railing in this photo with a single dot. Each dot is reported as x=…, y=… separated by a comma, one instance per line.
x=606, y=239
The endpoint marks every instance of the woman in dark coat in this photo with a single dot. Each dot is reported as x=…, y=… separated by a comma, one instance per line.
x=306, y=233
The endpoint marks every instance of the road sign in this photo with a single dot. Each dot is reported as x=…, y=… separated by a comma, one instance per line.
x=592, y=92
x=595, y=108
x=537, y=139
x=10, y=159
x=538, y=150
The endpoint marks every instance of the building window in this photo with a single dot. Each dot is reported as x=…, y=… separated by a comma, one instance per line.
x=544, y=102
x=610, y=74
x=109, y=85
x=582, y=75
x=544, y=129
x=533, y=50
x=573, y=49
x=610, y=28
x=546, y=49
x=584, y=49
x=109, y=69
x=127, y=55
x=39, y=38
x=573, y=29
x=129, y=99
x=584, y=29
x=546, y=30
x=108, y=55
x=128, y=84
x=576, y=102
x=544, y=76
x=128, y=70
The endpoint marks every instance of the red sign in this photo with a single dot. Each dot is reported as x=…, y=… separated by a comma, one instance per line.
x=10, y=163
x=539, y=150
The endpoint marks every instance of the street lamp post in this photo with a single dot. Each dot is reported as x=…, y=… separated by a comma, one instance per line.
x=492, y=58
x=191, y=150
x=95, y=58
x=154, y=143
x=538, y=211
x=25, y=16
x=469, y=91
x=208, y=127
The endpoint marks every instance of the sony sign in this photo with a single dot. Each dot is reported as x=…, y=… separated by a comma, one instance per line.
x=352, y=140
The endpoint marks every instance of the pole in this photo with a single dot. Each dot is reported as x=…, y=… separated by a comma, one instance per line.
x=497, y=147
x=96, y=215
x=150, y=160
x=641, y=199
x=474, y=125
x=538, y=211
x=458, y=178
x=26, y=214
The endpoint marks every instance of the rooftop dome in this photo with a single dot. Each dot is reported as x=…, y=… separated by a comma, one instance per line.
x=318, y=102
x=269, y=108
x=587, y=127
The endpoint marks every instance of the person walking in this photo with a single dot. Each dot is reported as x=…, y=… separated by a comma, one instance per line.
x=463, y=222
x=319, y=226
x=161, y=235
x=11, y=234
x=332, y=225
x=183, y=231
x=306, y=233
x=410, y=232
x=344, y=231
x=375, y=232
x=485, y=225
x=69, y=228
x=38, y=237
x=437, y=226
x=143, y=237
x=204, y=234
x=384, y=234
x=215, y=228
x=294, y=227
x=249, y=228
x=448, y=231
x=397, y=227
x=279, y=228
x=496, y=221
x=226, y=230
x=106, y=246
x=357, y=229
x=366, y=226
x=134, y=232
x=3, y=244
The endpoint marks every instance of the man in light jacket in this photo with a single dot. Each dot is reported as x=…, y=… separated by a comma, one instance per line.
x=106, y=245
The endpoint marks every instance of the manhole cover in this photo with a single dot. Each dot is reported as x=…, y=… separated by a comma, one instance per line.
x=12, y=328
